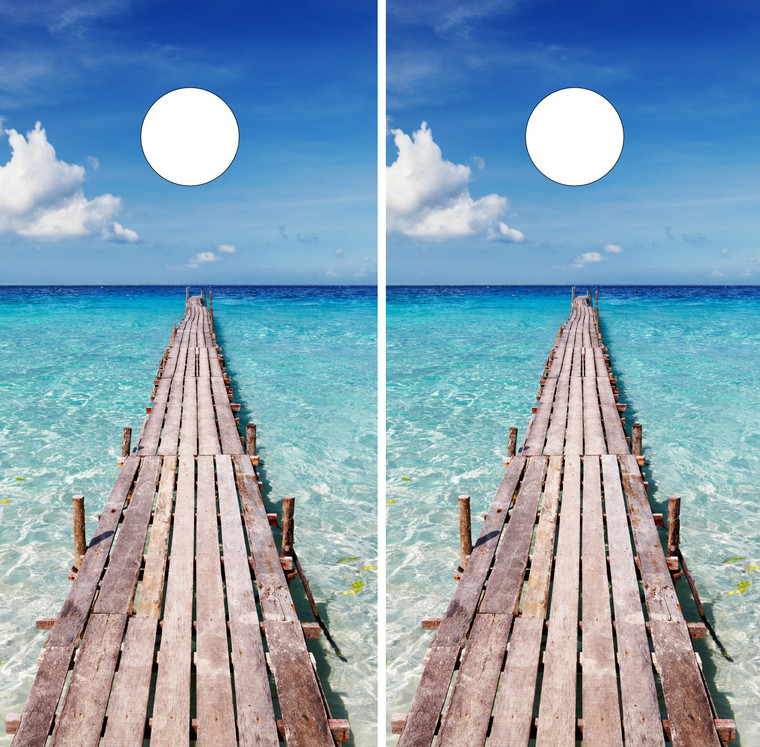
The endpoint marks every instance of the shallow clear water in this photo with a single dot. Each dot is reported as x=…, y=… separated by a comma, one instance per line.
x=77, y=365
x=464, y=366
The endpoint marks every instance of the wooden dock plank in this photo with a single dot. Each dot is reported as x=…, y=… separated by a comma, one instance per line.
x=188, y=439
x=128, y=712
x=467, y=718
x=215, y=712
x=601, y=714
x=537, y=434
x=556, y=715
x=208, y=439
x=228, y=431
x=152, y=589
x=171, y=709
x=513, y=714
x=574, y=434
x=613, y=427
x=253, y=699
x=555, y=437
x=593, y=436
x=689, y=712
x=120, y=581
x=170, y=432
x=297, y=687
x=641, y=713
x=84, y=707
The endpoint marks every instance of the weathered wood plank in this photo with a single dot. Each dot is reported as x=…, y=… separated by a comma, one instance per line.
x=641, y=713
x=253, y=698
x=555, y=437
x=152, y=589
x=689, y=713
x=171, y=709
x=537, y=434
x=84, y=707
x=556, y=715
x=120, y=581
x=574, y=434
x=429, y=697
x=503, y=589
x=70, y=621
x=297, y=688
x=613, y=427
x=170, y=432
x=592, y=422
x=468, y=715
x=514, y=707
x=208, y=439
x=228, y=430
x=128, y=712
x=601, y=714
x=188, y=438
x=215, y=713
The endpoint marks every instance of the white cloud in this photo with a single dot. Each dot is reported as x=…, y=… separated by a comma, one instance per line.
x=718, y=274
x=332, y=274
x=227, y=248
x=41, y=196
x=119, y=233
x=339, y=252
x=479, y=162
x=201, y=258
x=613, y=248
x=588, y=258
x=429, y=198
x=724, y=252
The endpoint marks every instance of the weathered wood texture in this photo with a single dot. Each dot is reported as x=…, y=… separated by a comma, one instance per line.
x=546, y=636
x=160, y=637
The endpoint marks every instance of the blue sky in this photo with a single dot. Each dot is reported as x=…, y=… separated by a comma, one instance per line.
x=79, y=204
x=681, y=206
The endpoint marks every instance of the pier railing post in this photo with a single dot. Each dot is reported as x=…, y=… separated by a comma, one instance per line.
x=80, y=543
x=636, y=439
x=465, y=528
x=512, y=442
x=674, y=525
x=126, y=442
x=250, y=439
x=288, y=508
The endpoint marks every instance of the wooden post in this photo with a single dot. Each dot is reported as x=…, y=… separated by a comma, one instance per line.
x=636, y=439
x=596, y=296
x=465, y=527
x=512, y=443
x=674, y=525
x=572, y=297
x=80, y=543
x=126, y=442
x=250, y=439
x=288, y=506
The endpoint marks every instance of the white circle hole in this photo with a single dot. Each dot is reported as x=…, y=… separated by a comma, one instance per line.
x=189, y=136
x=574, y=136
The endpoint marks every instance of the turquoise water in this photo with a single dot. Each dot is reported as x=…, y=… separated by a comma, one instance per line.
x=464, y=366
x=77, y=365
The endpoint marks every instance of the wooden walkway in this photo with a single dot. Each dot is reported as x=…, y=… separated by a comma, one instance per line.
x=565, y=625
x=181, y=609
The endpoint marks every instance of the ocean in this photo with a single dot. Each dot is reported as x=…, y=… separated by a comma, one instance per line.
x=463, y=365
x=77, y=366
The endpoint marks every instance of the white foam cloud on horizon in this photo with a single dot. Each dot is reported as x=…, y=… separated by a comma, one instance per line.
x=41, y=197
x=429, y=198
x=588, y=258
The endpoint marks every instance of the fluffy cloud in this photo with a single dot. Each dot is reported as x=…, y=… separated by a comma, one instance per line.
x=429, y=198
x=588, y=258
x=613, y=248
x=202, y=258
x=41, y=197
x=227, y=248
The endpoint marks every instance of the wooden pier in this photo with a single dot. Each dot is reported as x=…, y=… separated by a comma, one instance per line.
x=565, y=625
x=180, y=609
